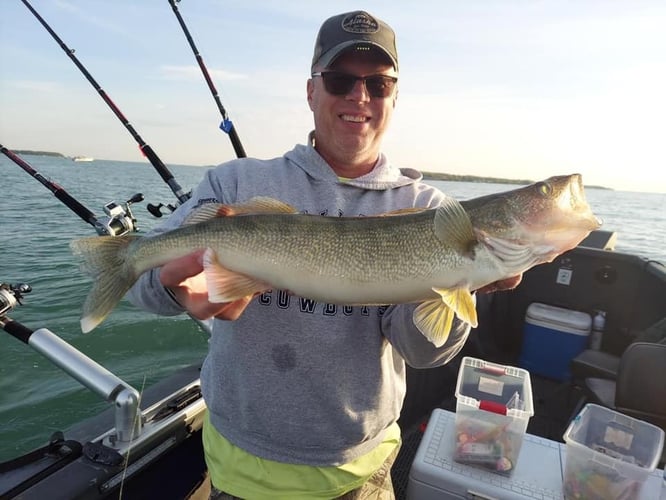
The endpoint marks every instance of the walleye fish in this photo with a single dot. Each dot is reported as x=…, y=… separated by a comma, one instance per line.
x=432, y=256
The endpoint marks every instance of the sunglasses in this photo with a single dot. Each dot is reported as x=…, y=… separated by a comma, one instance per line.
x=338, y=83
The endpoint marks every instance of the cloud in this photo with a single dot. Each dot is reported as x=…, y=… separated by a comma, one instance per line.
x=193, y=73
x=36, y=85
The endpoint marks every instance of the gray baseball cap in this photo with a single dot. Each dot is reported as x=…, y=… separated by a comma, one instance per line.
x=353, y=29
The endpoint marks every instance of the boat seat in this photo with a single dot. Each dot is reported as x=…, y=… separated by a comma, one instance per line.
x=592, y=363
x=639, y=389
x=605, y=240
x=598, y=364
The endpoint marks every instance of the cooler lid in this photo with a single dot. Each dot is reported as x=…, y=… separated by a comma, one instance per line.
x=559, y=316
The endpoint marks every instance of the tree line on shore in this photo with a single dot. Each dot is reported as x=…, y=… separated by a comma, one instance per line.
x=430, y=176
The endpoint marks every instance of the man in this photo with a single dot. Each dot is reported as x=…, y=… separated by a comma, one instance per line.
x=303, y=397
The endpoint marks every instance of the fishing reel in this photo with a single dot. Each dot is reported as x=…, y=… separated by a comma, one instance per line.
x=119, y=220
x=10, y=295
x=155, y=209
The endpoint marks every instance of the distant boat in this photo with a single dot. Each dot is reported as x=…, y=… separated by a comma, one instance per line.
x=82, y=158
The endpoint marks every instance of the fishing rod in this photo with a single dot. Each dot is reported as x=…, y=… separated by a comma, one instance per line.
x=119, y=219
x=226, y=125
x=147, y=151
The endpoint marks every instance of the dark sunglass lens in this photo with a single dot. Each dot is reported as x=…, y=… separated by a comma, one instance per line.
x=343, y=83
x=379, y=86
x=338, y=83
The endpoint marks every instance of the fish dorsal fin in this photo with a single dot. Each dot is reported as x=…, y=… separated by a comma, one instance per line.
x=205, y=212
x=404, y=211
x=434, y=318
x=454, y=227
x=263, y=205
x=256, y=205
x=225, y=285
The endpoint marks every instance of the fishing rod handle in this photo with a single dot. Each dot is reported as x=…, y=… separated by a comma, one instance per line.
x=163, y=171
x=226, y=124
x=236, y=143
x=17, y=330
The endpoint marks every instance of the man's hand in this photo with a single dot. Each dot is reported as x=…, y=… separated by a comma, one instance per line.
x=185, y=278
x=505, y=284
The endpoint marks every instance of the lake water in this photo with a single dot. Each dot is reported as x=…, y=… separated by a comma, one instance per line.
x=36, y=398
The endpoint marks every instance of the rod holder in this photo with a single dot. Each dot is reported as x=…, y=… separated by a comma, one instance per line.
x=95, y=377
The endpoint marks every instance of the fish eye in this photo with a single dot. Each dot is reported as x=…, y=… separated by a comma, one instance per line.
x=544, y=188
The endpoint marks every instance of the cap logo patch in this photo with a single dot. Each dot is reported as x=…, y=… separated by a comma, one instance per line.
x=360, y=22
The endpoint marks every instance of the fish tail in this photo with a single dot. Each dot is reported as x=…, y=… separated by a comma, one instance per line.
x=105, y=258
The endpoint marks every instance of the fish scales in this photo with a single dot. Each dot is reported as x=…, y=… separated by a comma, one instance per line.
x=364, y=249
x=432, y=256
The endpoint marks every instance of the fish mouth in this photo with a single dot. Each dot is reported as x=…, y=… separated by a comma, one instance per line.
x=582, y=210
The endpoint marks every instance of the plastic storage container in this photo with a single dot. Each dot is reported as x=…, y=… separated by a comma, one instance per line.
x=493, y=407
x=552, y=337
x=608, y=454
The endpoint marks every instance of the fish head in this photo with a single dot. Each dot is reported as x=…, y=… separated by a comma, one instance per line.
x=547, y=218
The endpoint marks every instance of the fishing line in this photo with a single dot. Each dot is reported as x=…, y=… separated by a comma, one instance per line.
x=147, y=151
x=226, y=125
x=135, y=425
x=119, y=220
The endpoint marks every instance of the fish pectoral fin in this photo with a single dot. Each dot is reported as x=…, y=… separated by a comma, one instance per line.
x=433, y=318
x=453, y=227
x=225, y=285
x=460, y=300
x=256, y=205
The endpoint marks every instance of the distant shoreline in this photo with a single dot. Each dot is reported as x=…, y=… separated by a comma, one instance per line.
x=440, y=176
x=429, y=176
x=39, y=153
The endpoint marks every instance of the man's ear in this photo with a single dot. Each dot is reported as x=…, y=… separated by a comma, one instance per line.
x=310, y=91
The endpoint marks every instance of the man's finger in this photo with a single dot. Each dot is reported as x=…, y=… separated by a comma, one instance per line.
x=505, y=284
x=175, y=272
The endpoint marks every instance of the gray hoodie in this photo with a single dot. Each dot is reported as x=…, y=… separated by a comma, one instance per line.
x=294, y=380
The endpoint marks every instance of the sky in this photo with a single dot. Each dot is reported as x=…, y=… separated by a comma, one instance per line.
x=519, y=89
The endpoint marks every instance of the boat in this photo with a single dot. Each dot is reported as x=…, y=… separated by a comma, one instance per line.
x=149, y=445
x=152, y=448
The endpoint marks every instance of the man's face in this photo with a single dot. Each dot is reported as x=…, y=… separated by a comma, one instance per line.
x=349, y=127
